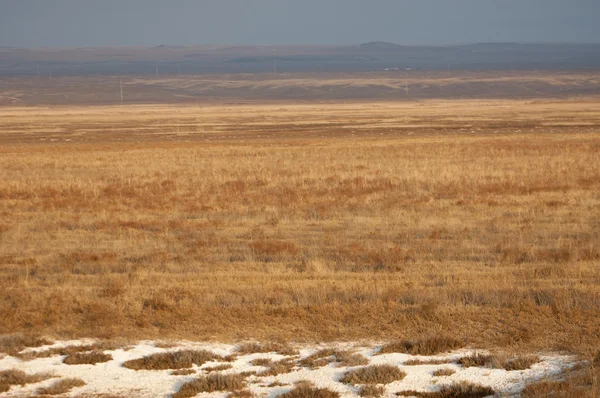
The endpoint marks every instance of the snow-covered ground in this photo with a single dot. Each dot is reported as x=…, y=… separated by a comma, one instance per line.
x=112, y=378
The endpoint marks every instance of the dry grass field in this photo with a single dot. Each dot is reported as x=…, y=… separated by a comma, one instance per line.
x=365, y=221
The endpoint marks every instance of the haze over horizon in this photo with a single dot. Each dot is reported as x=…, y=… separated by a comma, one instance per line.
x=85, y=23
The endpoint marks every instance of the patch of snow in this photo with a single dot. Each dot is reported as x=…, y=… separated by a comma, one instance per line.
x=112, y=378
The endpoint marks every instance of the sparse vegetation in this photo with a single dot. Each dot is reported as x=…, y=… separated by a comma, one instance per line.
x=12, y=344
x=498, y=361
x=242, y=394
x=274, y=368
x=328, y=355
x=14, y=377
x=87, y=358
x=456, y=390
x=374, y=374
x=371, y=391
x=211, y=383
x=579, y=382
x=307, y=390
x=427, y=346
x=444, y=372
x=253, y=348
x=61, y=386
x=171, y=360
x=218, y=368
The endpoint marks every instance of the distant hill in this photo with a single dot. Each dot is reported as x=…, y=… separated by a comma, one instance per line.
x=381, y=45
x=366, y=57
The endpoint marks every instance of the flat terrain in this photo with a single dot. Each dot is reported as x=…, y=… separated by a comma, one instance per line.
x=297, y=88
x=317, y=222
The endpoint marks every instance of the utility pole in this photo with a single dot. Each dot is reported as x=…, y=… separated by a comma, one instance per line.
x=38, y=71
x=121, y=86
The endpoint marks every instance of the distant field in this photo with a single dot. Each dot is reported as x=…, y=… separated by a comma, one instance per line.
x=373, y=220
x=297, y=87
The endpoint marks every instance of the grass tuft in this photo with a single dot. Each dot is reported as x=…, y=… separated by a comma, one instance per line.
x=262, y=348
x=428, y=346
x=87, y=358
x=457, y=390
x=374, y=374
x=305, y=389
x=371, y=391
x=171, y=360
x=498, y=361
x=326, y=356
x=62, y=386
x=211, y=383
x=15, y=377
x=444, y=372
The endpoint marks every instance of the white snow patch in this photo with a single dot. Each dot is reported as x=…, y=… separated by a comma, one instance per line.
x=112, y=378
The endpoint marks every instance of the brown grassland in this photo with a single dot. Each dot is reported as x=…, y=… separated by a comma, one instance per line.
x=475, y=219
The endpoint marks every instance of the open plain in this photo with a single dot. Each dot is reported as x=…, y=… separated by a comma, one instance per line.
x=368, y=221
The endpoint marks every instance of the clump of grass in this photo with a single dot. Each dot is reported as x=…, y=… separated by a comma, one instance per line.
x=218, y=368
x=371, y=391
x=274, y=368
x=456, y=390
x=171, y=360
x=328, y=355
x=498, y=361
x=14, y=343
x=416, y=362
x=305, y=389
x=68, y=350
x=428, y=346
x=15, y=377
x=374, y=374
x=476, y=360
x=579, y=382
x=211, y=383
x=521, y=363
x=62, y=386
x=245, y=393
x=87, y=358
x=255, y=348
x=444, y=372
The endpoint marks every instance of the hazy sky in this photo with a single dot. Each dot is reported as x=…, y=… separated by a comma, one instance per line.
x=40, y=23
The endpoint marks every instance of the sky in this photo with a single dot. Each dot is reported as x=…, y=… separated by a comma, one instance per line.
x=78, y=23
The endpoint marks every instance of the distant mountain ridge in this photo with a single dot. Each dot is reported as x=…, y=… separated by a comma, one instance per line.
x=366, y=57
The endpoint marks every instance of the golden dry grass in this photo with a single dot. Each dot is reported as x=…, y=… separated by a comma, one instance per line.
x=457, y=390
x=304, y=389
x=444, y=372
x=87, y=358
x=211, y=383
x=374, y=374
x=304, y=222
x=13, y=377
x=427, y=346
x=171, y=360
x=329, y=355
x=62, y=386
x=499, y=361
x=14, y=343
